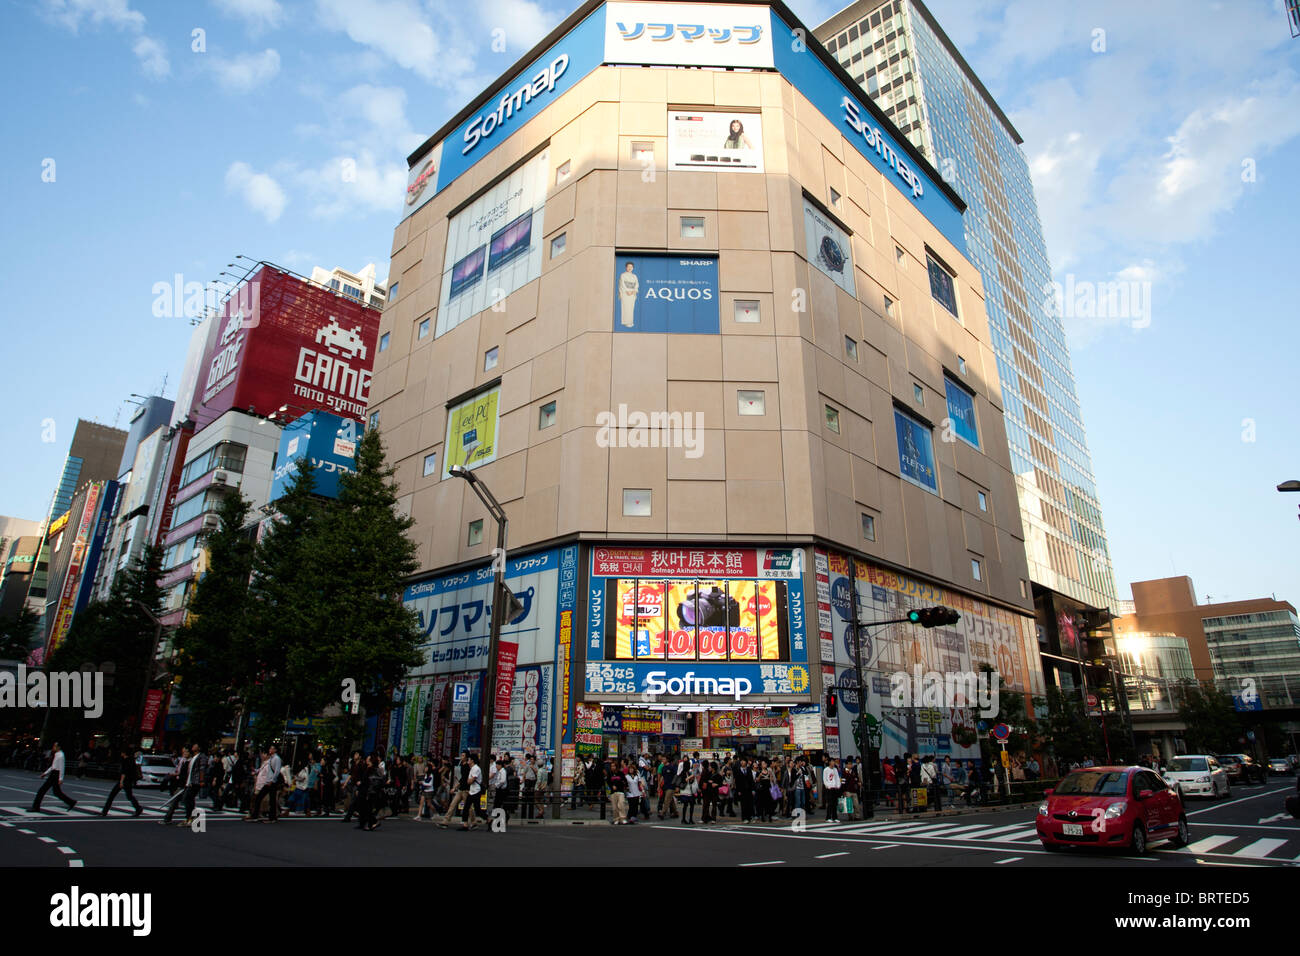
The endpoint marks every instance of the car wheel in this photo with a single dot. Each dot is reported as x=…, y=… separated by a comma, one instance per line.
x=1139, y=843
x=1184, y=834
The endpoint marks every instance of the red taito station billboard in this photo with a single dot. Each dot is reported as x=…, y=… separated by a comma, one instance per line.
x=282, y=341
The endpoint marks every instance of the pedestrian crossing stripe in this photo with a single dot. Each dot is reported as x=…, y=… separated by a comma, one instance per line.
x=1022, y=834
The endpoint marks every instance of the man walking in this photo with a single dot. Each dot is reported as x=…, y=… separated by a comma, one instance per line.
x=832, y=783
x=127, y=774
x=53, y=778
x=462, y=791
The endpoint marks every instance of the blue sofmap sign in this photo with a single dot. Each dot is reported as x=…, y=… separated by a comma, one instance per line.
x=666, y=293
x=915, y=451
x=328, y=440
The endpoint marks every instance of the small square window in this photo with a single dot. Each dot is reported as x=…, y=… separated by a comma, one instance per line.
x=751, y=402
x=557, y=245
x=961, y=365
x=423, y=329
x=636, y=502
x=475, y=532
x=869, y=527
x=383, y=342
x=562, y=172
x=746, y=310
x=490, y=358
x=430, y=464
x=984, y=501
x=889, y=307
x=833, y=419
x=374, y=419
x=850, y=347
x=692, y=227
x=975, y=570
x=899, y=258
x=392, y=293
x=643, y=152
x=918, y=393
x=835, y=198
x=546, y=416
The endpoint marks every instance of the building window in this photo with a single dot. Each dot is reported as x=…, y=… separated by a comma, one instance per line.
x=961, y=412
x=941, y=286
x=915, y=451
x=557, y=245
x=430, y=464
x=868, y=527
x=423, y=329
x=546, y=416
x=746, y=310
x=475, y=532
x=562, y=172
x=835, y=198
x=374, y=419
x=889, y=307
x=692, y=227
x=751, y=402
x=643, y=152
x=850, y=347
x=383, y=342
x=975, y=570
x=918, y=393
x=636, y=502
x=984, y=501
x=490, y=358
x=961, y=365
x=392, y=292
x=1023, y=589
x=833, y=419
x=899, y=258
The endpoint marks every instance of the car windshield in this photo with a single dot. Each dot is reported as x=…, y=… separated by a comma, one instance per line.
x=1187, y=764
x=1229, y=759
x=1095, y=783
x=157, y=761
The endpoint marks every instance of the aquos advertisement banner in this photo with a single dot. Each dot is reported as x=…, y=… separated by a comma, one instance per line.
x=910, y=671
x=666, y=293
x=706, y=140
x=494, y=245
x=828, y=247
x=454, y=612
x=682, y=623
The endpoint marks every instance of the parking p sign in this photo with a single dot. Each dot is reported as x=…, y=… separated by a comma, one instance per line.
x=461, y=691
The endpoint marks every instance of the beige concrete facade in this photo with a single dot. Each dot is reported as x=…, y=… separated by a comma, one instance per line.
x=783, y=477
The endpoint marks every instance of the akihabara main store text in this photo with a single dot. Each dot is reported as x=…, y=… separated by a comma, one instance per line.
x=694, y=648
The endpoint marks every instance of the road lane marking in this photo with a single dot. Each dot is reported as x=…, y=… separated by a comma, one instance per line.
x=1260, y=848
x=765, y=863
x=68, y=850
x=887, y=846
x=1010, y=859
x=1253, y=796
x=1208, y=844
x=827, y=856
x=76, y=863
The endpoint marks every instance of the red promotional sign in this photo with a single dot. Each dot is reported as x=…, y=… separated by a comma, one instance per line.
x=152, y=707
x=507, y=654
x=282, y=341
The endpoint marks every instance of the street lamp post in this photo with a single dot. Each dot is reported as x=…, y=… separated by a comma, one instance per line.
x=498, y=604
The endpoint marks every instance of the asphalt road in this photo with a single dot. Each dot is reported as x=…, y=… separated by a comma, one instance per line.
x=1250, y=829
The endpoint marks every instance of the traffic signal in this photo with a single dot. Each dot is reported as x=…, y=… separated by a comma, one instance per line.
x=832, y=702
x=937, y=616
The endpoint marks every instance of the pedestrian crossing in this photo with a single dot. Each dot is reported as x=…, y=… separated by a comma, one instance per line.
x=85, y=811
x=1244, y=847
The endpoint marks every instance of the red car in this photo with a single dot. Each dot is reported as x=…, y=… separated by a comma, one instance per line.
x=1127, y=807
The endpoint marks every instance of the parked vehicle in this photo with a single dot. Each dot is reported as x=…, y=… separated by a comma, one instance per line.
x=1242, y=768
x=1129, y=807
x=157, y=770
x=1198, y=775
x=1280, y=765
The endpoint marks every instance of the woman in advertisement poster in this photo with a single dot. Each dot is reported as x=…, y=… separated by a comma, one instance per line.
x=628, y=287
x=736, y=138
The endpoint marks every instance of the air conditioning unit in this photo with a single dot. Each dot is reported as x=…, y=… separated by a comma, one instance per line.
x=211, y=522
x=220, y=477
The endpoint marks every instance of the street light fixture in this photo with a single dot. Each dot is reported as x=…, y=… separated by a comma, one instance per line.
x=1291, y=485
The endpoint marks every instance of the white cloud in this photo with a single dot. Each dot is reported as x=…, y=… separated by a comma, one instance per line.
x=72, y=13
x=247, y=71
x=152, y=57
x=522, y=22
x=259, y=191
x=397, y=29
x=353, y=184
x=258, y=14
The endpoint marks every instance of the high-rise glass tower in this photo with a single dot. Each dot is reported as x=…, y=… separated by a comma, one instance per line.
x=899, y=54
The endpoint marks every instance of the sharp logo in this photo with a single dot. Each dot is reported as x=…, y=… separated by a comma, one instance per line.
x=544, y=82
x=656, y=685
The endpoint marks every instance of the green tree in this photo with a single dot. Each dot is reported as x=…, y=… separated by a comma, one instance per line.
x=1213, y=725
x=18, y=634
x=1072, y=734
x=364, y=558
x=216, y=659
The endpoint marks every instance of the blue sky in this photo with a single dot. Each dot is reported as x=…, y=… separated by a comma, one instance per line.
x=1165, y=153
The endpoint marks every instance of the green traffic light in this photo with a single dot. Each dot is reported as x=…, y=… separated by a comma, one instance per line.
x=914, y=616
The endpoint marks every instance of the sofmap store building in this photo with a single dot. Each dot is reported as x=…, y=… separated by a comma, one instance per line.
x=704, y=323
